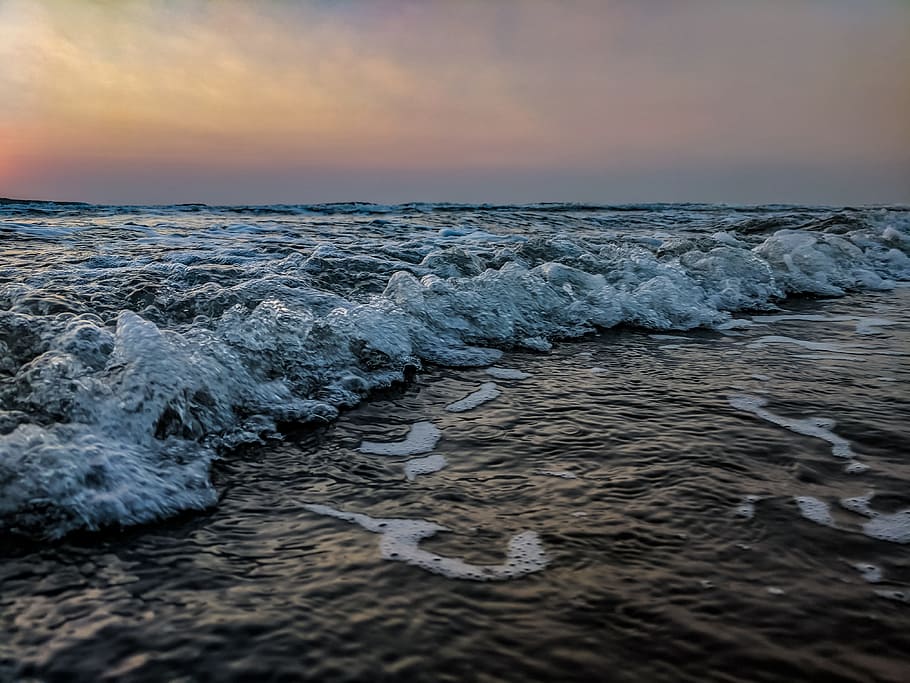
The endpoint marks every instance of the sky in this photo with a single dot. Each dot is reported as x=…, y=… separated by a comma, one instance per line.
x=222, y=101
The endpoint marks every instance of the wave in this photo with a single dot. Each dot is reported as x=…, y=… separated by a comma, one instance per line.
x=123, y=376
x=37, y=207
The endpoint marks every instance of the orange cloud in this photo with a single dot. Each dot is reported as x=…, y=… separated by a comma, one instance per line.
x=518, y=85
x=235, y=85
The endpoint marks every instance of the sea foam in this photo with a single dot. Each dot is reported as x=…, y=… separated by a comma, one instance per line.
x=400, y=539
x=485, y=393
x=127, y=370
x=818, y=427
x=422, y=438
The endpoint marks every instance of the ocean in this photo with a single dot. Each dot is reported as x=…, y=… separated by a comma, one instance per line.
x=440, y=442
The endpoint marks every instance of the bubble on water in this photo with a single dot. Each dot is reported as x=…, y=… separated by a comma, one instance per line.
x=179, y=345
x=400, y=538
x=897, y=596
x=422, y=438
x=562, y=474
x=428, y=465
x=815, y=510
x=746, y=508
x=506, y=373
x=487, y=392
x=893, y=527
x=818, y=427
x=859, y=504
x=869, y=572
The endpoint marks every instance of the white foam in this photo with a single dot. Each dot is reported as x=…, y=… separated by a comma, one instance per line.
x=487, y=392
x=129, y=484
x=598, y=371
x=893, y=527
x=897, y=596
x=400, y=539
x=859, y=504
x=818, y=427
x=228, y=357
x=428, y=465
x=746, y=508
x=563, y=474
x=815, y=510
x=856, y=467
x=536, y=343
x=422, y=438
x=728, y=239
x=869, y=572
x=821, y=263
x=507, y=373
x=761, y=378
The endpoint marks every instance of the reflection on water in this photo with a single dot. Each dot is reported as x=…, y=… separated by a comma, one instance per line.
x=635, y=478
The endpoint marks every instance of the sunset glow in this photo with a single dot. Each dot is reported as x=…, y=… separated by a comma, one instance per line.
x=111, y=101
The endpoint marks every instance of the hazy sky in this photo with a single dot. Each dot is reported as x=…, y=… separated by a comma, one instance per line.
x=500, y=100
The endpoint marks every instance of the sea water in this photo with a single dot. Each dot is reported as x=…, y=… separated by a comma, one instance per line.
x=443, y=442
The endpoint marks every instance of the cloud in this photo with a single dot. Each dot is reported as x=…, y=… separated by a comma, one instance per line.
x=512, y=86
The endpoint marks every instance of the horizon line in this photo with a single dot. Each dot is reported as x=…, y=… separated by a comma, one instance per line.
x=586, y=204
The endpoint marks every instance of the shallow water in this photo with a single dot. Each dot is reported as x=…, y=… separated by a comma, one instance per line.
x=694, y=495
x=654, y=572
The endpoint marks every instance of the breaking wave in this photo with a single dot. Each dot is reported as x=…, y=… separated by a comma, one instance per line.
x=139, y=344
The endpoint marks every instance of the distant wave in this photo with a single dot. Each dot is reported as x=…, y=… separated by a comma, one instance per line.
x=14, y=207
